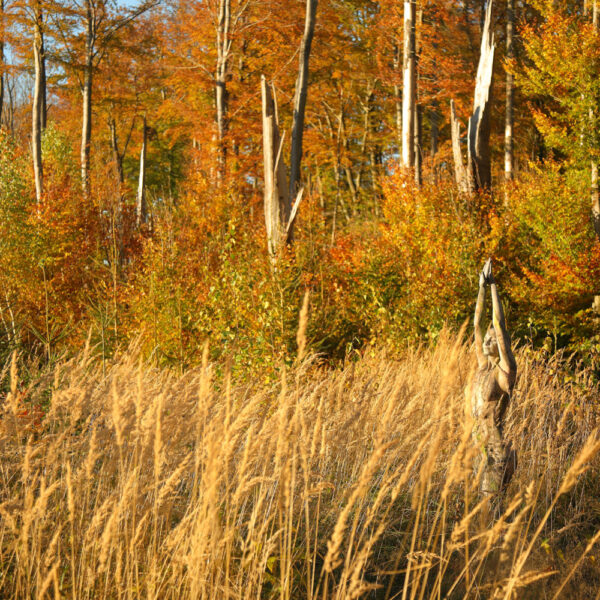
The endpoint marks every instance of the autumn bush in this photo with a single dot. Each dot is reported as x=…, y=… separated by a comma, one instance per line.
x=47, y=269
x=554, y=258
x=200, y=271
x=389, y=274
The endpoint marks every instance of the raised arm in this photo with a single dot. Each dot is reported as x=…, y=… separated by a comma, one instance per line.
x=477, y=322
x=507, y=358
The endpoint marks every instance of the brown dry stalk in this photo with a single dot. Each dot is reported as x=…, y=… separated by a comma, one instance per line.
x=333, y=483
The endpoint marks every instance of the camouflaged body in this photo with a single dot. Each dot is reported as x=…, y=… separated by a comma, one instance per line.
x=489, y=404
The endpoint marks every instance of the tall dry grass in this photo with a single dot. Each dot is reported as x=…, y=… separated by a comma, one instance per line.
x=350, y=483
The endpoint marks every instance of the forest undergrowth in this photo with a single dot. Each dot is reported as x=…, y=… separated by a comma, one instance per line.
x=353, y=482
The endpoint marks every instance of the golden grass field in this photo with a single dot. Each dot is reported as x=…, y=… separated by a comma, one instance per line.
x=355, y=482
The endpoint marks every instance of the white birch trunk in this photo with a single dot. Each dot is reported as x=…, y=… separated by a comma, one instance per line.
x=36, y=113
x=510, y=90
x=409, y=85
x=86, y=93
x=479, y=124
x=140, y=205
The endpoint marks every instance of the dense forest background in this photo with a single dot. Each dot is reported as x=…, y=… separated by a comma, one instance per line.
x=240, y=245
x=132, y=177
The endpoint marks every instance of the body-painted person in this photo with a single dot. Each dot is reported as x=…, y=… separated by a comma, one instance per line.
x=492, y=389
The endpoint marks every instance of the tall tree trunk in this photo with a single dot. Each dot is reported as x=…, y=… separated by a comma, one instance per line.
x=86, y=131
x=117, y=156
x=478, y=173
x=9, y=114
x=434, y=122
x=44, y=107
x=2, y=27
x=594, y=163
x=595, y=198
x=36, y=113
x=221, y=94
x=409, y=85
x=510, y=90
x=300, y=99
x=418, y=126
x=140, y=205
x=479, y=124
x=86, y=93
x=463, y=180
x=434, y=134
x=398, y=96
x=418, y=145
x=276, y=200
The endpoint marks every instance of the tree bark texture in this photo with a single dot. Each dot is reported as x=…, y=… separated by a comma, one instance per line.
x=140, y=205
x=300, y=95
x=477, y=174
x=479, y=124
x=398, y=97
x=44, y=107
x=221, y=94
x=117, y=156
x=510, y=91
x=434, y=132
x=409, y=85
x=463, y=180
x=276, y=199
x=36, y=113
x=418, y=145
x=595, y=191
x=86, y=93
x=2, y=62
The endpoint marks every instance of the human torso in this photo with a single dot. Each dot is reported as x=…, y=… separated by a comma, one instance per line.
x=492, y=389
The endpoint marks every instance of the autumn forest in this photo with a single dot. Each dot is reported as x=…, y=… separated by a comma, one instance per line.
x=240, y=247
x=136, y=200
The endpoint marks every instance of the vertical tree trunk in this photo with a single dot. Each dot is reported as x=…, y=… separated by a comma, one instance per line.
x=44, y=108
x=594, y=163
x=418, y=145
x=300, y=99
x=418, y=126
x=434, y=134
x=478, y=173
x=398, y=97
x=2, y=26
x=479, y=124
x=140, y=205
x=463, y=180
x=36, y=116
x=9, y=114
x=409, y=85
x=117, y=157
x=86, y=131
x=276, y=199
x=508, y=128
x=221, y=94
x=86, y=93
